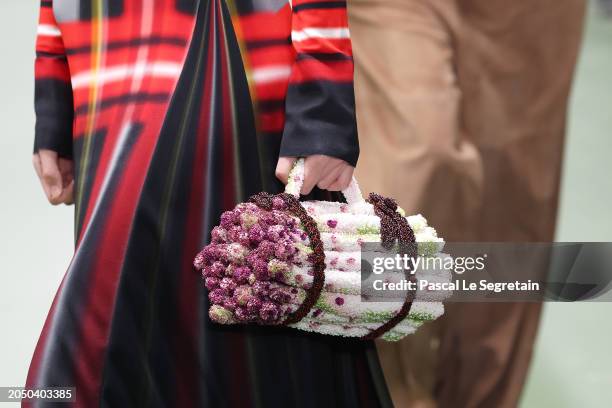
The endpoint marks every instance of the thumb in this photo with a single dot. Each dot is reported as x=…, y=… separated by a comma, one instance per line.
x=283, y=168
x=51, y=175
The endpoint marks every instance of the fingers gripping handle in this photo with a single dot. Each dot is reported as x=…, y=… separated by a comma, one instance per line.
x=352, y=193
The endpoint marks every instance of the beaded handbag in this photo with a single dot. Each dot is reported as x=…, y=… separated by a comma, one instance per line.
x=277, y=261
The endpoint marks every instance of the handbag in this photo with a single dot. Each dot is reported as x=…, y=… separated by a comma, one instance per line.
x=275, y=260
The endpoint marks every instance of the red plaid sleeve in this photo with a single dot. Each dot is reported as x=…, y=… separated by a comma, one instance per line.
x=53, y=92
x=320, y=103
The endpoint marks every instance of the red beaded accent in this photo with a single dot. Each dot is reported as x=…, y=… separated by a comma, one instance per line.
x=393, y=228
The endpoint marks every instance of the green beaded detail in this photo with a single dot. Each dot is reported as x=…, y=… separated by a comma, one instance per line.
x=368, y=229
x=427, y=248
x=392, y=336
x=377, y=317
x=324, y=306
x=422, y=316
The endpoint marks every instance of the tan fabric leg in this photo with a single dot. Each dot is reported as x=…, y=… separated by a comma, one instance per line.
x=515, y=62
x=461, y=112
x=485, y=353
x=408, y=112
x=411, y=148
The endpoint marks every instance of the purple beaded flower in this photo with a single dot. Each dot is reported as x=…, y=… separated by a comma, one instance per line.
x=252, y=249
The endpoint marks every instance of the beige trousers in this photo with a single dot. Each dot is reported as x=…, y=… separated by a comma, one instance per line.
x=461, y=108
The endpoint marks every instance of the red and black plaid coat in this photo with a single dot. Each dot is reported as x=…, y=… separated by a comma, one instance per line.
x=174, y=110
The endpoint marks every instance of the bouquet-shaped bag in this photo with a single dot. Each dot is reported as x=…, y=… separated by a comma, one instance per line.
x=277, y=261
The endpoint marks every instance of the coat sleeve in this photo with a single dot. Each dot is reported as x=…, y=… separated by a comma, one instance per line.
x=320, y=102
x=53, y=101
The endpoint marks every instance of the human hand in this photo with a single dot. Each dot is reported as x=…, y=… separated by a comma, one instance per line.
x=56, y=175
x=325, y=172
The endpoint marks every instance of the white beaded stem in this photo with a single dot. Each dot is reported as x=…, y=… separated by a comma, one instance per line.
x=296, y=179
x=352, y=193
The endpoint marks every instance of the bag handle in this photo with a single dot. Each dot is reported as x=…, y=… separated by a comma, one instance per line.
x=352, y=193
